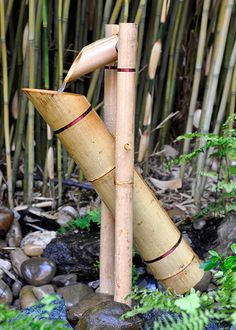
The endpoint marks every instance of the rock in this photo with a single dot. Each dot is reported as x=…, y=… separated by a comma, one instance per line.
x=3, y=243
x=94, y=284
x=5, y=264
x=27, y=297
x=204, y=282
x=64, y=280
x=86, y=303
x=42, y=291
x=14, y=235
x=40, y=239
x=73, y=294
x=199, y=224
x=57, y=312
x=75, y=252
x=66, y=213
x=17, y=258
x=16, y=287
x=6, y=296
x=6, y=219
x=33, y=250
x=38, y=271
x=106, y=316
x=226, y=233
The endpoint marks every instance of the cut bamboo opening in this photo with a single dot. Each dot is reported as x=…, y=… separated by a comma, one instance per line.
x=107, y=233
x=87, y=140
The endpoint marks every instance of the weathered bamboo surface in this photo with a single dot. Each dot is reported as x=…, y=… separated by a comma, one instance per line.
x=84, y=135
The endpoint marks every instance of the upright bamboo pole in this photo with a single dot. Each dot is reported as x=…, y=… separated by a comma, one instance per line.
x=124, y=159
x=107, y=241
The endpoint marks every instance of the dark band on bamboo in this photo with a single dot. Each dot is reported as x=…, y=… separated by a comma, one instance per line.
x=73, y=122
x=126, y=69
x=111, y=67
x=167, y=253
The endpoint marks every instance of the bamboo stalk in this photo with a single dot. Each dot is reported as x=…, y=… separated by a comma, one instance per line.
x=116, y=11
x=158, y=241
x=197, y=77
x=124, y=160
x=6, y=103
x=107, y=240
x=232, y=105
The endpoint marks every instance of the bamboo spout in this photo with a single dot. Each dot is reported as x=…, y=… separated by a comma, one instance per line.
x=169, y=257
x=92, y=57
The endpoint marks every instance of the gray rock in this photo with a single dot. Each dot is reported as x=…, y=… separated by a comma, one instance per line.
x=66, y=214
x=43, y=290
x=75, y=252
x=106, y=316
x=75, y=313
x=38, y=271
x=6, y=296
x=64, y=280
x=38, y=238
x=16, y=287
x=17, y=258
x=73, y=294
x=226, y=233
x=199, y=224
x=14, y=235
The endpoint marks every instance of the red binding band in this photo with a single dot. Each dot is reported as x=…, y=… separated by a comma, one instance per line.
x=73, y=122
x=126, y=70
x=166, y=253
x=112, y=67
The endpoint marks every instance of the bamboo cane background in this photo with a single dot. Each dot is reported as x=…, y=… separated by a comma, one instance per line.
x=40, y=40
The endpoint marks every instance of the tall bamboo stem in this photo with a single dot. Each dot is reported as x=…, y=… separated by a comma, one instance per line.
x=124, y=159
x=6, y=104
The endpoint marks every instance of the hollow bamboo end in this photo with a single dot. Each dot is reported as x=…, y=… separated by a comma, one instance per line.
x=31, y=91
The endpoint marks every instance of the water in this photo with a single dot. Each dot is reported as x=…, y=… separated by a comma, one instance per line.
x=62, y=88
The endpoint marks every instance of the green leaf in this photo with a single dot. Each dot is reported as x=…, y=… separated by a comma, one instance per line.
x=230, y=262
x=208, y=265
x=189, y=303
x=214, y=253
x=233, y=247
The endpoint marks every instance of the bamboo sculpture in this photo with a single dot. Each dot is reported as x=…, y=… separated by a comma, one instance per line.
x=85, y=137
x=107, y=233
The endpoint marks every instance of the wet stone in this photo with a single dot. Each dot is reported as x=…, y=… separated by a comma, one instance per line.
x=14, y=235
x=42, y=291
x=6, y=219
x=16, y=287
x=38, y=271
x=6, y=296
x=106, y=316
x=73, y=294
x=17, y=258
x=33, y=250
x=27, y=297
x=64, y=280
x=85, y=304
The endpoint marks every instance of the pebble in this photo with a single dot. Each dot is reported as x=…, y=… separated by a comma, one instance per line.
x=38, y=271
x=199, y=224
x=17, y=258
x=5, y=264
x=38, y=238
x=73, y=294
x=33, y=250
x=6, y=296
x=14, y=235
x=43, y=290
x=66, y=213
x=16, y=287
x=64, y=280
x=27, y=297
x=6, y=219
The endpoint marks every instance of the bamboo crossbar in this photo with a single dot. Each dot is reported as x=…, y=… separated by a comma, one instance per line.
x=85, y=137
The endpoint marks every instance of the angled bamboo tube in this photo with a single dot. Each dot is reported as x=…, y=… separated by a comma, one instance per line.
x=87, y=140
x=124, y=160
x=93, y=56
x=107, y=233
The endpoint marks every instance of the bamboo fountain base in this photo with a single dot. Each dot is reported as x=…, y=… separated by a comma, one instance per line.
x=84, y=135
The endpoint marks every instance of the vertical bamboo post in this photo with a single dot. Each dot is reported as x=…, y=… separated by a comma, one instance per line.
x=107, y=241
x=124, y=159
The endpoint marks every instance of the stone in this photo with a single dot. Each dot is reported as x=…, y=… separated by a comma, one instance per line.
x=203, y=284
x=199, y=224
x=42, y=291
x=14, y=235
x=5, y=264
x=226, y=233
x=75, y=252
x=73, y=294
x=38, y=271
x=17, y=258
x=16, y=288
x=38, y=238
x=6, y=219
x=66, y=213
x=33, y=250
x=64, y=280
x=75, y=312
x=106, y=316
x=27, y=297
x=57, y=312
x=6, y=296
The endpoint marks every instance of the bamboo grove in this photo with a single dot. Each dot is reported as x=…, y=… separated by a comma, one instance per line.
x=185, y=66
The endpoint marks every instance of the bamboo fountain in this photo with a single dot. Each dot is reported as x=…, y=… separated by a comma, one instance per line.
x=169, y=257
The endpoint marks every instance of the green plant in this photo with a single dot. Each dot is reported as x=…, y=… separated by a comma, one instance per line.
x=223, y=149
x=194, y=310
x=92, y=217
